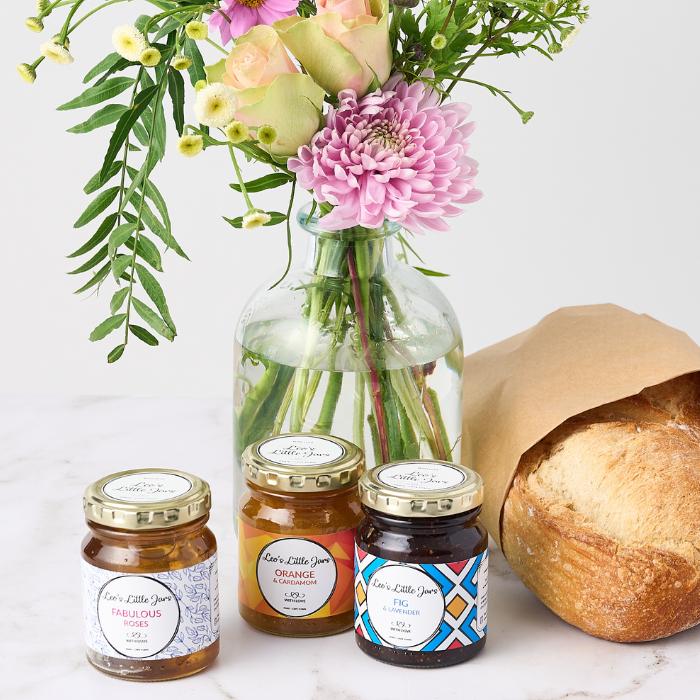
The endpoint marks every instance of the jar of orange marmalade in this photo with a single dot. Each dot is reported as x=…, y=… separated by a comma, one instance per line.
x=150, y=589
x=296, y=534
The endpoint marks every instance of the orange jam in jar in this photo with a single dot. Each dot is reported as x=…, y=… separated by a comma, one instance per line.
x=149, y=565
x=296, y=534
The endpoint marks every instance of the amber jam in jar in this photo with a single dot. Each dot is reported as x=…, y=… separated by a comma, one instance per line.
x=421, y=565
x=150, y=592
x=296, y=534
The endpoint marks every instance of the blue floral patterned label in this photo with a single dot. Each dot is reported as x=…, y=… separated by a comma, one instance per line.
x=151, y=616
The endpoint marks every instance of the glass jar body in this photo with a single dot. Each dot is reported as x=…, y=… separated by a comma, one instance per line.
x=430, y=542
x=146, y=554
x=356, y=344
x=294, y=531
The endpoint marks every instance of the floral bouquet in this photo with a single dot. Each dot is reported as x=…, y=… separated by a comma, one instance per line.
x=349, y=100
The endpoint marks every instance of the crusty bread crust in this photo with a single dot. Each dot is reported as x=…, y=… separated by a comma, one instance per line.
x=602, y=521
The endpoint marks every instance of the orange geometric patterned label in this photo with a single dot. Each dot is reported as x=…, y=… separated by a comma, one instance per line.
x=302, y=576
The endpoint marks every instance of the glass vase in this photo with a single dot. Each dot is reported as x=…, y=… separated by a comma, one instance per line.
x=357, y=344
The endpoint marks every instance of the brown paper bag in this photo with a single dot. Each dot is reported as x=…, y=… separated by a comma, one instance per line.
x=575, y=359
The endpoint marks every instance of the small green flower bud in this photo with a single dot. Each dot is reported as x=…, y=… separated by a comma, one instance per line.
x=190, y=145
x=181, y=62
x=237, y=132
x=200, y=85
x=26, y=72
x=42, y=6
x=34, y=24
x=267, y=134
x=198, y=31
x=438, y=42
x=550, y=8
x=526, y=116
x=150, y=57
x=554, y=48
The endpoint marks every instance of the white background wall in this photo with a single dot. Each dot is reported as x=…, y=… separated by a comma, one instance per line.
x=596, y=200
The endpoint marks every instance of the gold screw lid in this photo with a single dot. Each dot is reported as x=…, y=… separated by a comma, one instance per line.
x=303, y=462
x=421, y=489
x=147, y=499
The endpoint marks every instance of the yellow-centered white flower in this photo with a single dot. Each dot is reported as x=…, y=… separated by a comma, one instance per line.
x=129, y=42
x=56, y=53
x=215, y=105
x=255, y=218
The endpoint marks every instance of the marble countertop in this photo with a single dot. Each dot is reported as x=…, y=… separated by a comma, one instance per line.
x=51, y=448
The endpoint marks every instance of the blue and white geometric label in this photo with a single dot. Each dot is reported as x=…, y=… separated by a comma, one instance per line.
x=421, y=607
x=151, y=616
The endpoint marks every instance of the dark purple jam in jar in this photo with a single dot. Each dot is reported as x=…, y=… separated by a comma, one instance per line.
x=421, y=565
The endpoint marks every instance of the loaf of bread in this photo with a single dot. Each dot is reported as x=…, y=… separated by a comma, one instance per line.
x=602, y=521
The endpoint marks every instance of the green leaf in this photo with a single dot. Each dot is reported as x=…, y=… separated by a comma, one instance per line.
x=97, y=206
x=99, y=93
x=176, y=88
x=95, y=182
x=264, y=183
x=196, y=70
x=116, y=353
x=119, y=236
x=157, y=228
x=146, y=250
x=153, y=319
x=102, y=232
x=103, y=117
x=120, y=265
x=430, y=273
x=142, y=334
x=118, y=299
x=124, y=125
x=105, y=64
x=98, y=257
x=97, y=278
x=107, y=326
x=155, y=293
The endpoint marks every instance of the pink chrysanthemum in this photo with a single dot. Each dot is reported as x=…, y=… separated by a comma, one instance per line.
x=396, y=154
x=235, y=17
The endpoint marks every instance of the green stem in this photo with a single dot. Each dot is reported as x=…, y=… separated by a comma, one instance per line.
x=64, y=30
x=330, y=403
x=358, y=419
x=239, y=177
x=89, y=14
x=216, y=46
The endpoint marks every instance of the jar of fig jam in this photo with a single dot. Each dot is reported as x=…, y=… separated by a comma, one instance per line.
x=296, y=534
x=421, y=561
x=150, y=589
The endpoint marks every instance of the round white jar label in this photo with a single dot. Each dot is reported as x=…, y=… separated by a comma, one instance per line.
x=296, y=576
x=139, y=616
x=160, y=615
x=421, y=476
x=405, y=605
x=301, y=450
x=149, y=487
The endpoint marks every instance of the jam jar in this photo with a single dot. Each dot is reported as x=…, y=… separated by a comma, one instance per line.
x=296, y=534
x=150, y=592
x=421, y=565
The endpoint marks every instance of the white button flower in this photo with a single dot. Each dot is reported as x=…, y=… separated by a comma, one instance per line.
x=129, y=42
x=215, y=105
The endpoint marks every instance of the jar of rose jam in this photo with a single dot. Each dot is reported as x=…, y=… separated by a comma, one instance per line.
x=150, y=589
x=296, y=534
x=421, y=559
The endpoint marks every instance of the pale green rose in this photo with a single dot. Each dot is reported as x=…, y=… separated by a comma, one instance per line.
x=270, y=90
x=345, y=45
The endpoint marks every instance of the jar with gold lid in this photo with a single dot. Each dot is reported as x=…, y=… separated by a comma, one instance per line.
x=421, y=565
x=149, y=569
x=296, y=534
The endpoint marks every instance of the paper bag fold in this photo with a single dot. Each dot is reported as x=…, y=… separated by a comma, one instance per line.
x=575, y=359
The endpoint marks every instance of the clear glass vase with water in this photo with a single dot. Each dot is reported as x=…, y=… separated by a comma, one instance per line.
x=356, y=343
